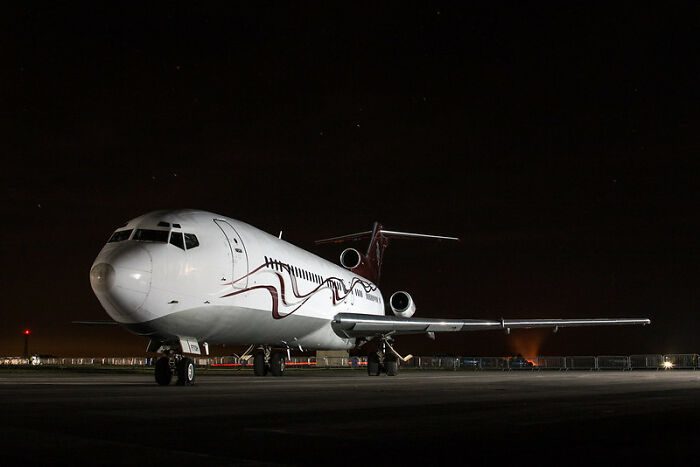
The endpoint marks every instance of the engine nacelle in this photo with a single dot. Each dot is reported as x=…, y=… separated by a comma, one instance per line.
x=402, y=304
x=350, y=258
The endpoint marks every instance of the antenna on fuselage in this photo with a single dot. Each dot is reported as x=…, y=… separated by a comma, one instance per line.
x=280, y=235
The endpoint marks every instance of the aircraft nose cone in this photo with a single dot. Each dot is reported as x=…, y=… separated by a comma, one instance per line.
x=121, y=279
x=102, y=277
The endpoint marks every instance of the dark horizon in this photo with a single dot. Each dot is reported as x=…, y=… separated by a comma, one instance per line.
x=559, y=142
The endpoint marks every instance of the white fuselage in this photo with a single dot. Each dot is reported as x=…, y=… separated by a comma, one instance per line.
x=225, y=283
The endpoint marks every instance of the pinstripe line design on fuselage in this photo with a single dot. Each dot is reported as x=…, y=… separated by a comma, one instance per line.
x=281, y=294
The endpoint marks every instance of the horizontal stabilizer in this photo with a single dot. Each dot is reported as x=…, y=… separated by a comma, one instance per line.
x=370, y=264
x=385, y=233
x=344, y=238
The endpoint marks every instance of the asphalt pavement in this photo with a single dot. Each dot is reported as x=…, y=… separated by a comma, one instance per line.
x=312, y=417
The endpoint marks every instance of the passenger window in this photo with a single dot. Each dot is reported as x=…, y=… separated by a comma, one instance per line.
x=191, y=241
x=176, y=239
x=120, y=235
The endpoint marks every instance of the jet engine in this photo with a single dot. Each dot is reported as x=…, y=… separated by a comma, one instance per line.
x=350, y=258
x=402, y=304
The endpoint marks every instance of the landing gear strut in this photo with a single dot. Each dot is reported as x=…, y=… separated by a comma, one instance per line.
x=175, y=364
x=266, y=360
x=385, y=359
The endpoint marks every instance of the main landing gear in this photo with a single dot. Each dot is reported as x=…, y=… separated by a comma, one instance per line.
x=266, y=360
x=385, y=359
x=178, y=365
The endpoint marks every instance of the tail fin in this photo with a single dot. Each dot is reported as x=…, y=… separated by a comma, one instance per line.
x=370, y=266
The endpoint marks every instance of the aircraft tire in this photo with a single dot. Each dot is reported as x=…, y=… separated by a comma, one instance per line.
x=185, y=372
x=259, y=367
x=163, y=373
x=391, y=366
x=373, y=364
x=277, y=364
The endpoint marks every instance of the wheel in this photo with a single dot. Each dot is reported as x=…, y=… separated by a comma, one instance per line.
x=185, y=372
x=259, y=368
x=163, y=373
x=277, y=364
x=373, y=364
x=391, y=366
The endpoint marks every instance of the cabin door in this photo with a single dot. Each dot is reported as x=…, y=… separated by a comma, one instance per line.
x=237, y=254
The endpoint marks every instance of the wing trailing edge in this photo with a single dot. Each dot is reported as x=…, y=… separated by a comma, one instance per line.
x=357, y=325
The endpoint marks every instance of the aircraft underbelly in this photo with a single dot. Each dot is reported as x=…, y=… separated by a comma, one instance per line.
x=243, y=326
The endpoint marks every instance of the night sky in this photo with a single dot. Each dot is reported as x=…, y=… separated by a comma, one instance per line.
x=558, y=140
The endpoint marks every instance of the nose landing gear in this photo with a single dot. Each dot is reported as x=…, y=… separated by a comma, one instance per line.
x=175, y=364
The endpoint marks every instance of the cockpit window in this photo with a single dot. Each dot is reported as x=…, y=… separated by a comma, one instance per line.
x=120, y=235
x=176, y=239
x=147, y=235
x=191, y=241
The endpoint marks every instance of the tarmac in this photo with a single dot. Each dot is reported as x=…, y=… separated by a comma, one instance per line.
x=312, y=417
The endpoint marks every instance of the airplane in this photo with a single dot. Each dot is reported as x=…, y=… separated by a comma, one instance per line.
x=187, y=279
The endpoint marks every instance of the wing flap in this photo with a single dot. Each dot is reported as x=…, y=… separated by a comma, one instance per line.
x=356, y=324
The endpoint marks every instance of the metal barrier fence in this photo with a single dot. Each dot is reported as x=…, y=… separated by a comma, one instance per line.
x=646, y=361
x=683, y=360
x=579, y=362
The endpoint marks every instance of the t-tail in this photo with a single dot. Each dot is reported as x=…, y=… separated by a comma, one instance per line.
x=369, y=265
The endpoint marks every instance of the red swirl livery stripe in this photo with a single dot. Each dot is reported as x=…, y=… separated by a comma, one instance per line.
x=330, y=283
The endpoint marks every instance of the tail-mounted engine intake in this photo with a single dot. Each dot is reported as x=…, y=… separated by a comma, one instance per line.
x=402, y=304
x=350, y=258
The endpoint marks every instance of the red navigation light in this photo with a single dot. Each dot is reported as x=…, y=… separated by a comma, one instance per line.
x=26, y=332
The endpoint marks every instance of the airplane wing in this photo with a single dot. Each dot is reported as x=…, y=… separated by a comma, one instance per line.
x=359, y=325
